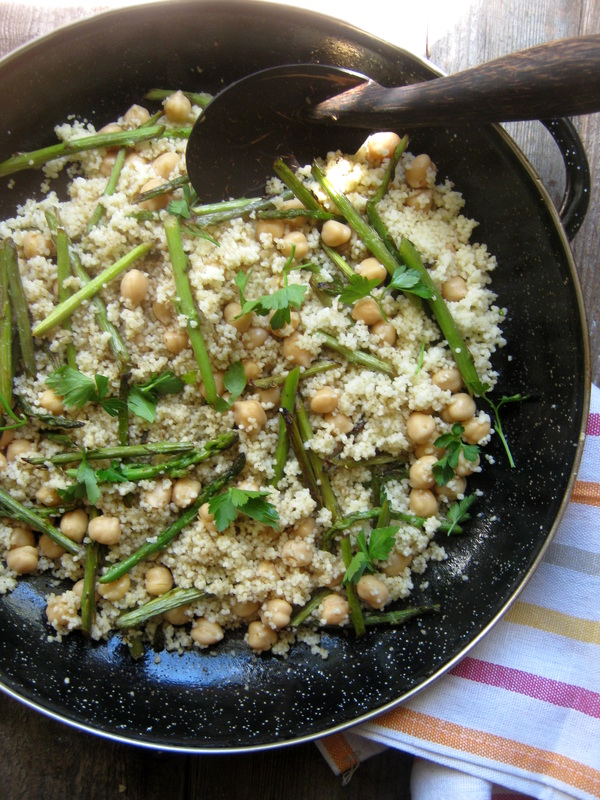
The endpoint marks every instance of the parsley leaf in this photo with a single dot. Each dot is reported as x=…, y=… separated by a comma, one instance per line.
x=515, y=398
x=77, y=389
x=86, y=485
x=408, y=280
x=458, y=512
x=183, y=208
x=279, y=303
x=443, y=469
x=380, y=544
x=357, y=287
x=225, y=507
x=143, y=397
x=235, y=382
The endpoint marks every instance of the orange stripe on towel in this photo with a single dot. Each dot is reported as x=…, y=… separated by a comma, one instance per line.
x=492, y=747
x=340, y=752
x=586, y=493
x=545, y=619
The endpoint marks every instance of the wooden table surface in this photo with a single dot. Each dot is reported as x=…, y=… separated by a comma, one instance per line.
x=46, y=760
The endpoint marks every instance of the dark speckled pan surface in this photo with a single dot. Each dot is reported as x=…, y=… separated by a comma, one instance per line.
x=228, y=698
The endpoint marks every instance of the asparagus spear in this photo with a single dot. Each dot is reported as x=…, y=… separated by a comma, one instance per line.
x=306, y=467
x=201, y=99
x=109, y=189
x=123, y=414
x=129, y=451
x=277, y=380
x=166, y=602
x=18, y=511
x=288, y=399
x=398, y=617
x=187, y=306
x=163, y=539
x=306, y=433
x=304, y=613
x=20, y=308
x=88, y=595
x=356, y=615
x=117, y=345
x=6, y=340
x=65, y=309
x=63, y=271
x=37, y=158
x=356, y=356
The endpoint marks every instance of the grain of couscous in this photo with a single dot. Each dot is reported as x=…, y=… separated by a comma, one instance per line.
x=342, y=497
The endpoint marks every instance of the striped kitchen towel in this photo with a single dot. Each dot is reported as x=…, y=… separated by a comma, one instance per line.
x=520, y=714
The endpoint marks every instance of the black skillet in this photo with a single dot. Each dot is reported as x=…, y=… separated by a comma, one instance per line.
x=229, y=699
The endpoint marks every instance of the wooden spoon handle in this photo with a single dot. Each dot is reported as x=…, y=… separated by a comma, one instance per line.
x=557, y=79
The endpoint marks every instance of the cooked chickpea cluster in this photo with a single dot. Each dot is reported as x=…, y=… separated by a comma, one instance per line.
x=285, y=563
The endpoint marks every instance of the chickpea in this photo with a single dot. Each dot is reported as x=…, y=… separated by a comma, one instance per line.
x=77, y=588
x=47, y=496
x=163, y=311
x=177, y=107
x=297, y=553
x=105, y=529
x=22, y=560
x=460, y=408
x=50, y=401
x=454, y=289
x=158, y=580
x=135, y=161
x=159, y=496
x=136, y=115
x=367, y=310
x=158, y=202
x=295, y=353
x=256, y=337
x=325, y=400
x=448, y=378
x=276, y=613
x=267, y=570
x=335, y=234
x=372, y=269
x=115, y=590
x=3, y=462
x=270, y=227
x=381, y=146
x=464, y=468
x=245, y=609
x=476, y=429
x=185, y=491
x=385, y=331
x=420, y=427
x=251, y=369
x=294, y=242
x=232, y=314
x=134, y=287
x=18, y=448
x=58, y=612
x=422, y=199
x=396, y=564
x=21, y=537
x=420, y=474
x=373, y=591
x=334, y=610
x=178, y=616
x=6, y=437
x=107, y=164
x=288, y=329
x=166, y=164
x=249, y=415
x=206, y=633
x=260, y=637
x=49, y=548
x=176, y=341
x=36, y=244
x=452, y=489
x=111, y=127
x=269, y=398
x=305, y=528
x=206, y=517
x=427, y=449
x=423, y=502
x=416, y=172
x=339, y=422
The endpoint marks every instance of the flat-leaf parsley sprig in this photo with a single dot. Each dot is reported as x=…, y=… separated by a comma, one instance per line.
x=504, y=400
x=226, y=507
x=452, y=443
x=77, y=389
x=280, y=303
x=378, y=548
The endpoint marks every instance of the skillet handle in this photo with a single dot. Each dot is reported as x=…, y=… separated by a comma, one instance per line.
x=576, y=198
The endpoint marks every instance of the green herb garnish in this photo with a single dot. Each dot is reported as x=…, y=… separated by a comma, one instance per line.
x=380, y=544
x=77, y=389
x=443, y=470
x=458, y=512
x=279, y=303
x=225, y=507
x=235, y=382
